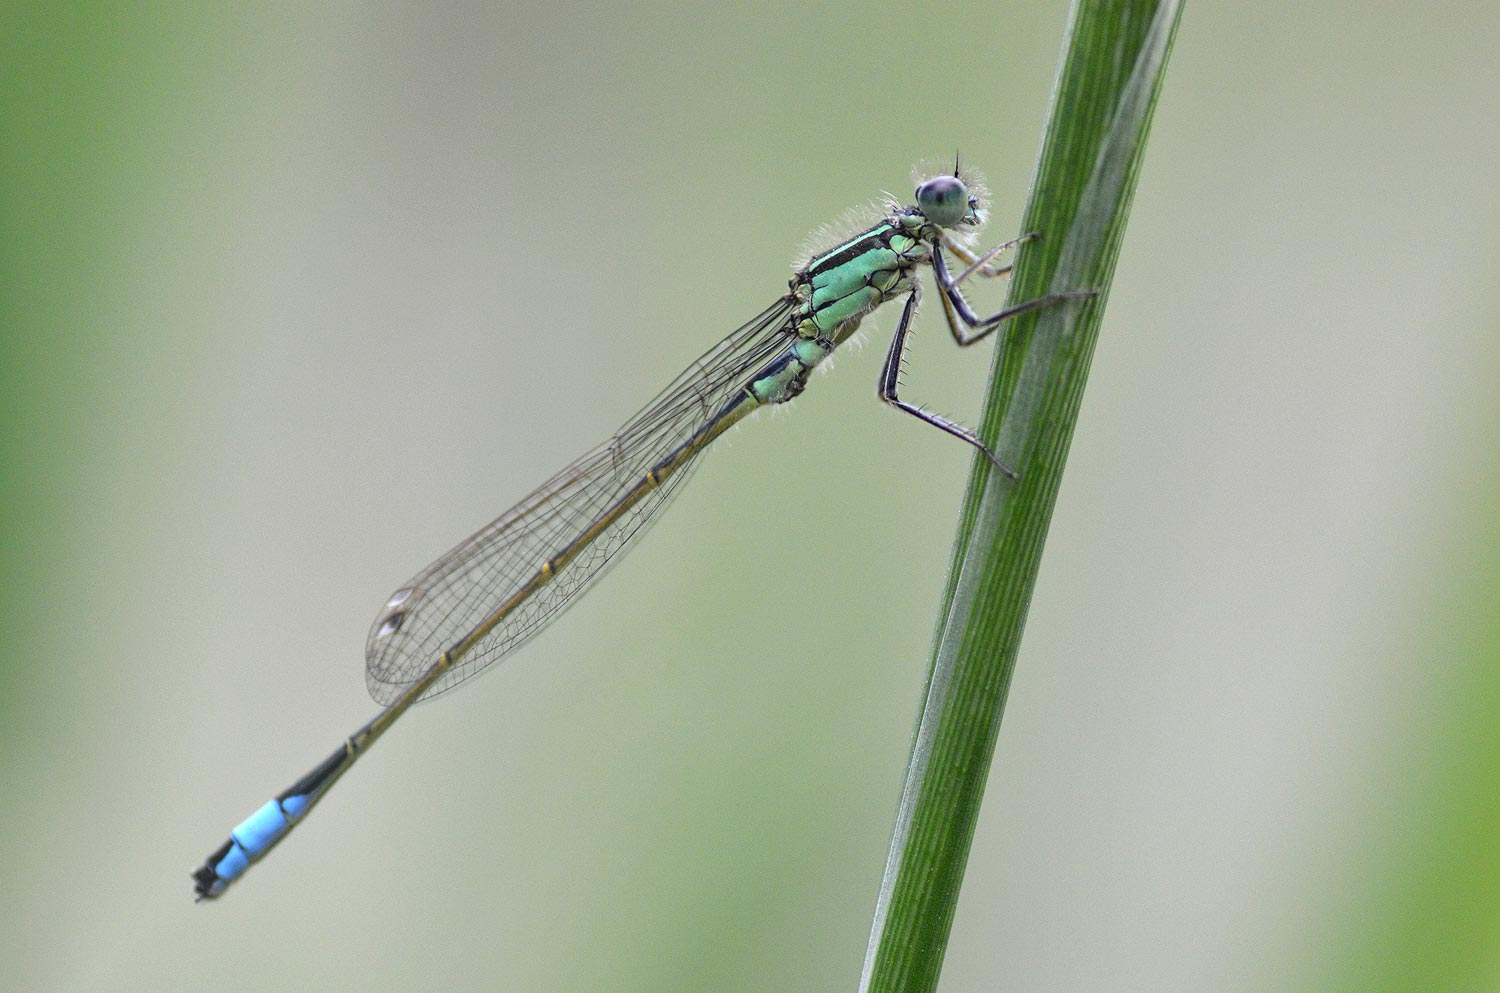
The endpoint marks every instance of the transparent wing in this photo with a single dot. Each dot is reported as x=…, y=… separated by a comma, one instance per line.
x=449, y=599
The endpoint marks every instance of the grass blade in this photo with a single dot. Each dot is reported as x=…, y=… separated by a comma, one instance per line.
x=1115, y=55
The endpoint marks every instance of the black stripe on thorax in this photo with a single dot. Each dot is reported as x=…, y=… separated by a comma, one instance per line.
x=877, y=237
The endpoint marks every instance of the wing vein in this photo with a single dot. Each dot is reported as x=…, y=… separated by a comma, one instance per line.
x=453, y=596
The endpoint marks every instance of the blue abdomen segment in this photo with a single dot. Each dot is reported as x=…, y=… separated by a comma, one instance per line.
x=259, y=832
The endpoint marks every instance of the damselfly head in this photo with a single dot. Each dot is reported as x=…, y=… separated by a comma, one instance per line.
x=950, y=200
x=946, y=202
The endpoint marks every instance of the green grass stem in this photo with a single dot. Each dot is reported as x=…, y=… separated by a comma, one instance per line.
x=1114, y=57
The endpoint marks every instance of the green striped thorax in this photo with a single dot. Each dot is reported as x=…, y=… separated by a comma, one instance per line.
x=837, y=288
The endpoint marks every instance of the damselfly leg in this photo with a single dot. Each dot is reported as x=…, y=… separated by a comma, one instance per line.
x=958, y=312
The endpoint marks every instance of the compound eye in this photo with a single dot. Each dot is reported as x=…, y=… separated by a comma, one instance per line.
x=943, y=200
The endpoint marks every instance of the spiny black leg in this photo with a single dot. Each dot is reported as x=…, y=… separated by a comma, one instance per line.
x=976, y=264
x=984, y=325
x=891, y=373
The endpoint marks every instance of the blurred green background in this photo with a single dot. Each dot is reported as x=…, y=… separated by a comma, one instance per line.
x=296, y=295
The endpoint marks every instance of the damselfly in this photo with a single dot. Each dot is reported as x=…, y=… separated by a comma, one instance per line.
x=492, y=592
